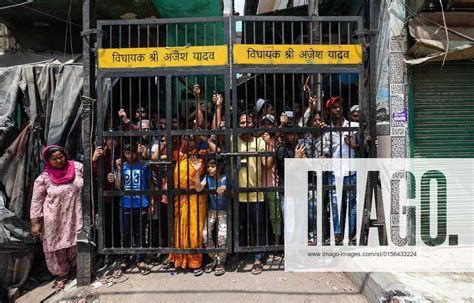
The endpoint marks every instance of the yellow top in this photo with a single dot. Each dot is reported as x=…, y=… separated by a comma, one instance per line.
x=250, y=170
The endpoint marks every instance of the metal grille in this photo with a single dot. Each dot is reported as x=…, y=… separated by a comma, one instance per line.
x=245, y=144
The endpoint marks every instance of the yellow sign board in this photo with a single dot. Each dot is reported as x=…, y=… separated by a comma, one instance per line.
x=297, y=54
x=217, y=55
x=162, y=56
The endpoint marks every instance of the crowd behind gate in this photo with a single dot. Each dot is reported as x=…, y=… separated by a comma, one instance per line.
x=136, y=165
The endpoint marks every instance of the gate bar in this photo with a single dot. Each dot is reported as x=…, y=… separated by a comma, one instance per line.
x=84, y=248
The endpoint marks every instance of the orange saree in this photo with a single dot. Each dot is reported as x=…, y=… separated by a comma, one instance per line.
x=189, y=217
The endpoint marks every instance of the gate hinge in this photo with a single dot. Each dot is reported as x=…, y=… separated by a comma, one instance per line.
x=92, y=31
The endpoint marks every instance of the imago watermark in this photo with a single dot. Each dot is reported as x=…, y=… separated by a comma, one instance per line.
x=379, y=215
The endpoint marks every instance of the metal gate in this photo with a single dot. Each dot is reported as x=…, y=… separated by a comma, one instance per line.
x=154, y=118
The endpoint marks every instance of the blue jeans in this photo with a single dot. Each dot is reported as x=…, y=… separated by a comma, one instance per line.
x=312, y=214
x=348, y=198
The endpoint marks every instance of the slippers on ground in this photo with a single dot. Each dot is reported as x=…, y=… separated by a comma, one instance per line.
x=278, y=258
x=220, y=269
x=117, y=274
x=338, y=240
x=144, y=269
x=210, y=267
x=197, y=272
x=167, y=264
x=60, y=285
x=123, y=266
x=257, y=269
x=155, y=260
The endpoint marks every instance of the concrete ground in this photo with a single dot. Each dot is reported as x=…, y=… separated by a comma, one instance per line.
x=273, y=285
x=440, y=287
x=419, y=287
x=270, y=286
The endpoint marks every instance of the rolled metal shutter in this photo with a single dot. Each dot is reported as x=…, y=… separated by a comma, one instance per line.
x=443, y=110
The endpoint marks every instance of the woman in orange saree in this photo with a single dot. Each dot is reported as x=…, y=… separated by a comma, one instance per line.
x=189, y=209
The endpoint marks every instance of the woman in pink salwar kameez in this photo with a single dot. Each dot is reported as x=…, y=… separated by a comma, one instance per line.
x=56, y=211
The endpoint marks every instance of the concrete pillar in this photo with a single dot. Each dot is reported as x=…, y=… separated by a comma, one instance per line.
x=398, y=82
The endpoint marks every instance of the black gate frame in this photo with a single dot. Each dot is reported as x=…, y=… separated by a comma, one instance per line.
x=230, y=72
x=288, y=69
x=168, y=73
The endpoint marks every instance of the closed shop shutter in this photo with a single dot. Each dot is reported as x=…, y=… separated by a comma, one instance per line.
x=443, y=104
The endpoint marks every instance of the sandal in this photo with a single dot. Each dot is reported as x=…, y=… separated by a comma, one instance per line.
x=257, y=268
x=123, y=266
x=197, y=272
x=117, y=274
x=220, y=269
x=210, y=267
x=353, y=241
x=60, y=284
x=278, y=257
x=155, y=261
x=337, y=239
x=143, y=268
x=167, y=264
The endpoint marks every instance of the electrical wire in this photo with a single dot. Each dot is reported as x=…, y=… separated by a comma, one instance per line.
x=447, y=36
x=54, y=17
x=418, y=16
x=70, y=26
x=15, y=5
x=68, y=30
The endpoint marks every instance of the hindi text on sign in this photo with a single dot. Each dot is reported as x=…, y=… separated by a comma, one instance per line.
x=215, y=55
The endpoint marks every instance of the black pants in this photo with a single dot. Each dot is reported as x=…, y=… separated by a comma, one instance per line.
x=252, y=223
x=134, y=221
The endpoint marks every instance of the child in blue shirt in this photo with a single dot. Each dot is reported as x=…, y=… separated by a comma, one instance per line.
x=135, y=176
x=214, y=180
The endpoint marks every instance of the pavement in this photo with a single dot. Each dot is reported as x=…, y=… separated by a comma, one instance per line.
x=273, y=285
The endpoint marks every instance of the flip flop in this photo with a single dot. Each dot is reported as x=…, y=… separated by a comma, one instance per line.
x=197, y=272
x=167, y=264
x=210, y=267
x=144, y=269
x=257, y=269
x=60, y=285
x=278, y=258
x=123, y=266
x=156, y=260
x=117, y=274
x=220, y=269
